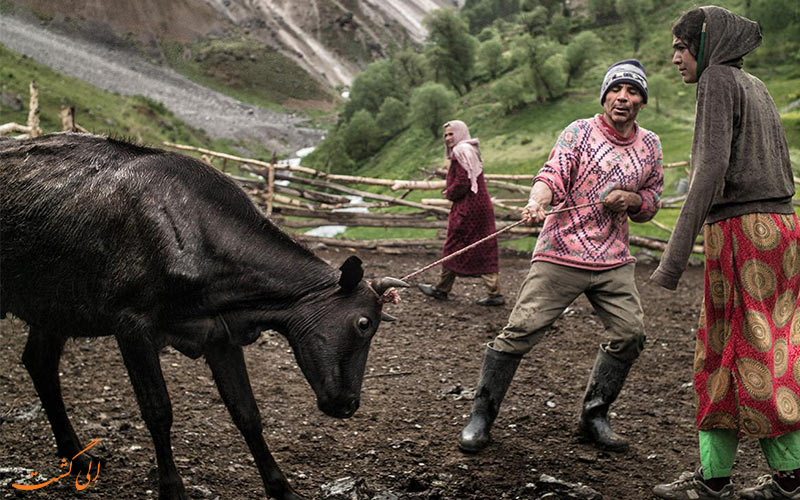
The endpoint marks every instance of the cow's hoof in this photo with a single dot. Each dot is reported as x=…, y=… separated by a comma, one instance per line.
x=172, y=490
x=85, y=463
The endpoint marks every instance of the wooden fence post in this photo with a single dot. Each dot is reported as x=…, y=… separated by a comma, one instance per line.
x=67, y=115
x=271, y=184
x=33, y=111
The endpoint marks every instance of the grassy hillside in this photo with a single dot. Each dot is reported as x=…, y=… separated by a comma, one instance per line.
x=136, y=118
x=519, y=142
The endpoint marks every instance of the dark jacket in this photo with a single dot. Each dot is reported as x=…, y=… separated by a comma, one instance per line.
x=740, y=159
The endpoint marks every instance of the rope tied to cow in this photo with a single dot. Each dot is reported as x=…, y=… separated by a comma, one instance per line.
x=391, y=295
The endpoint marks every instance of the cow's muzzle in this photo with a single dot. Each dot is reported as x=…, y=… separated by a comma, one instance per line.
x=340, y=407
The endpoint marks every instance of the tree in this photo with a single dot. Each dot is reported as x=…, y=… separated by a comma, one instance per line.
x=559, y=26
x=486, y=34
x=536, y=51
x=479, y=16
x=657, y=87
x=482, y=13
x=432, y=104
x=554, y=75
x=490, y=53
x=779, y=20
x=775, y=15
x=392, y=117
x=603, y=10
x=633, y=12
x=510, y=91
x=331, y=155
x=580, y=51
x=412, y=66
x=534, y=20
x=451, y=48
x=372, y=86
x=361, y=135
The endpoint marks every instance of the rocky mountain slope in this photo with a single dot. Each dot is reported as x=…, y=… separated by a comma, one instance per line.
x=331, y=39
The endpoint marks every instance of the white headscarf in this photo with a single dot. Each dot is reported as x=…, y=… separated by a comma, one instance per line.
x=466, y=152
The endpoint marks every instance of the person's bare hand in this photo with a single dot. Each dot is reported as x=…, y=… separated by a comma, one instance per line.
x=617, y=200
x=533, y=213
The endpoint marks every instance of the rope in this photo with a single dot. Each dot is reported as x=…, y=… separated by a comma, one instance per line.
x=493, y=235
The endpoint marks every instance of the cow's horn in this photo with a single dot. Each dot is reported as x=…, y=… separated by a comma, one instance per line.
x=383, y=284
x=387, y=317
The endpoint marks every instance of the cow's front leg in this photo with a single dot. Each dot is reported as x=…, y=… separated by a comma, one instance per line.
x=230, y=374
x=41, y=357
x=141, y=360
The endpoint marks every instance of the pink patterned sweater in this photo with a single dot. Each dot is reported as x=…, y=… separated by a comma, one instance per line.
x=588, y=161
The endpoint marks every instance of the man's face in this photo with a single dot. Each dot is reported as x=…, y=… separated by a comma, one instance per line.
x=684, y=60
x=623, y=102
x=449, y=138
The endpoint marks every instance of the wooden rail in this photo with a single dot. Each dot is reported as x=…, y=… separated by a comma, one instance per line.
x=298, y=197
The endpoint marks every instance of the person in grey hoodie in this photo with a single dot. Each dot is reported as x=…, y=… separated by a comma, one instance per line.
x=747, y=359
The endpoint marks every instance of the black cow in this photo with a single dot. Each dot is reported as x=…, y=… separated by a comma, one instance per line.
x=101, y=237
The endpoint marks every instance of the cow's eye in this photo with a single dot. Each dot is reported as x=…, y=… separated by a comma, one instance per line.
x=364, y=323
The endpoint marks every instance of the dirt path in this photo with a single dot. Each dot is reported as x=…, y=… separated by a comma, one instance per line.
x=403, y=438
x=123, y=73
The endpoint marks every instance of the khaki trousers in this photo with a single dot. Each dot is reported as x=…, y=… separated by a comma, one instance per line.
x=550, y=288
x=491, y=280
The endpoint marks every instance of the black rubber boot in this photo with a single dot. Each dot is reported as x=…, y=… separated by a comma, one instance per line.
x=496, y=375
x=491, y=300
x=606, y=381
x=432, y=291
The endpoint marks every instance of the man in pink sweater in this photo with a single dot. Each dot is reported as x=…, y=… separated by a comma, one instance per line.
x=612, y=167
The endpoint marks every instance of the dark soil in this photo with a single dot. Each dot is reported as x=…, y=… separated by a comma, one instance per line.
x=403, y=438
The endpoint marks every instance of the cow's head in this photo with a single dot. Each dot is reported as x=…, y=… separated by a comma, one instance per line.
x=331, y=335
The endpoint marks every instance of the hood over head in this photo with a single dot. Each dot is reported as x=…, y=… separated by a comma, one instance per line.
x=729, y=37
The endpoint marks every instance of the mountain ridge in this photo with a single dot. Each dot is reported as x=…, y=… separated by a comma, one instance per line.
x=330, y=39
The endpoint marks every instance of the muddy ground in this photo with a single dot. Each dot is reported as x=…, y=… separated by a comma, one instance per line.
x=403, y=438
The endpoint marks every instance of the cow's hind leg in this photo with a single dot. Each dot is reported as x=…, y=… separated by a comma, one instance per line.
x=228, y=367
x=41, y=358
x=141, y=360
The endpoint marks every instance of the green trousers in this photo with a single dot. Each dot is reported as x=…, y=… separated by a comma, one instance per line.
x=718, y=452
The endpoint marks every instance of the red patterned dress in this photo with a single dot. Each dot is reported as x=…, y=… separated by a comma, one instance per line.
x=747, y=359
x=471, y=218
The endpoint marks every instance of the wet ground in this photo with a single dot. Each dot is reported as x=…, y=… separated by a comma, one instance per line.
x=403, y=438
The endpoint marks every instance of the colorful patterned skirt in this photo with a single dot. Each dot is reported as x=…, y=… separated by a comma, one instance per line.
x=747, y=360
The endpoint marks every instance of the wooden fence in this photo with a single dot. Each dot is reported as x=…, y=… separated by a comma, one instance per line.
x=298, y=198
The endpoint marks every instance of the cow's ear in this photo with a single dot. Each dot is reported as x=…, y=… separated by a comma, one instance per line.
x=352, y=272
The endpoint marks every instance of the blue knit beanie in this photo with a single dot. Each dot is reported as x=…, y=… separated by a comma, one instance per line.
x=627, y=71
